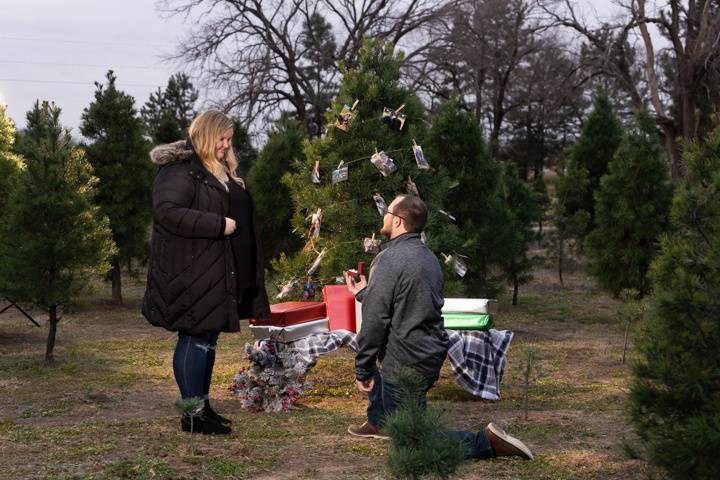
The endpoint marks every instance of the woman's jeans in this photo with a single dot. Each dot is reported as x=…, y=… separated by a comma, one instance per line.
x=193, y=364
x=385, y=398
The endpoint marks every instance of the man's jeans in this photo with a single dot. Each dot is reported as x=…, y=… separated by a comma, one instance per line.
x=384, y=400
x=193, y=364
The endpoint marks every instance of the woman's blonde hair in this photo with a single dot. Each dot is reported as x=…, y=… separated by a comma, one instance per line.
x=204, y=132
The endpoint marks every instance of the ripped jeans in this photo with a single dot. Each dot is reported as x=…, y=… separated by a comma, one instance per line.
x=193, y=364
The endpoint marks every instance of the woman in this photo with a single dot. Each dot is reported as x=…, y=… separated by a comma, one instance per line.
x=206, y=270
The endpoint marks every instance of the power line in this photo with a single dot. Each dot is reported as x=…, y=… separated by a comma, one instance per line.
x=70, y=82
x=86, y=42
x=60, y=64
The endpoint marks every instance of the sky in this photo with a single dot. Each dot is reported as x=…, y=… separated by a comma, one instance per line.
x=56, y=49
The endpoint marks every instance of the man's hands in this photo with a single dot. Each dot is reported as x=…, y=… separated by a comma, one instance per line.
x=365, y=386
x=229, y=226
x=353, y=286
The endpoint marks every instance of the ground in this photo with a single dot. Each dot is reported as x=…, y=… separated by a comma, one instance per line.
x=105, y=409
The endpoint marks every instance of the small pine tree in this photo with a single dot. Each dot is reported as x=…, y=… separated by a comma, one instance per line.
x=272, y=200
x=419, y=443
x=542, y=198
x=349, y=211
x=631, y=211
x=245, y=152
x=524, y=209
x=456, y=146
x=675, y=393
x=54, y=238
x=10, y=163
x=118, y=154
x=589, y=157
x=563, y=241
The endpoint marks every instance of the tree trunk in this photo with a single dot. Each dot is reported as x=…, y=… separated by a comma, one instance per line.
x=52, y=321
x=561, y=254
x=516, y=286
x=116, y=282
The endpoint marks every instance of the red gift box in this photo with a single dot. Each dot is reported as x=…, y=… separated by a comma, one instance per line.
x=292, y=313
x=340, y=305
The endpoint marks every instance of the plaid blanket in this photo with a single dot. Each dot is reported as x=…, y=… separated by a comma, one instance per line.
x=477, y=358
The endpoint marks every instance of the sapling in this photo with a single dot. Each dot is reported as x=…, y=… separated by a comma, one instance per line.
x=190, y=407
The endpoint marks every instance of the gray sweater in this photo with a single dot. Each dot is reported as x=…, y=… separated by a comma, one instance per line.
x=401, y=311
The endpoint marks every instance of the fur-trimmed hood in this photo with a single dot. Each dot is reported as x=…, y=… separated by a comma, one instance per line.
x=171, y=152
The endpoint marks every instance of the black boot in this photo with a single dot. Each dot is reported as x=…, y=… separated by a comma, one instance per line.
x=210, y=413
x=204, y=424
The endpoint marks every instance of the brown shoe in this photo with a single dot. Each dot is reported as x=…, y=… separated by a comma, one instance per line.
x=367, y=430
x=506, y=445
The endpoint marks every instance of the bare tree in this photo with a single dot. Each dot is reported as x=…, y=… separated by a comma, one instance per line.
x=692, y=29
x=272, y=55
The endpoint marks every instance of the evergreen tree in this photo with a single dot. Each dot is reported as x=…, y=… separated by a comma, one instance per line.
x=675, y=394
x=245, y=153
x=10, y=163
x=53, y=237
x=456, y=147
x=118, y=154
x=631, y=211
x=522, y=202
x=589, y=157
x=273, y=204
x=349, y=213
x=542, y=197
x=167, y=113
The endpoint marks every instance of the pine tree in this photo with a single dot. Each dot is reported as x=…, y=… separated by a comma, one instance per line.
x=53, y=237
x=118, y=154
x=456, y=146
x=273, y=204
x=245, y=152
x=675, y=394
x=349, y=213
x=631, y=212
x=589, y=157
x=10, y=163
x=524, y=209
x=167, y=113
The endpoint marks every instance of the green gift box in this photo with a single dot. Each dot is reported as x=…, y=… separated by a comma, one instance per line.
x=468, y=321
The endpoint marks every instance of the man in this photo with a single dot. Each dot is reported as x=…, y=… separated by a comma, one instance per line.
x=403, y=327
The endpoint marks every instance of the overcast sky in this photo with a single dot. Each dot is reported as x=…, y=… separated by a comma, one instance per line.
x=55, y=50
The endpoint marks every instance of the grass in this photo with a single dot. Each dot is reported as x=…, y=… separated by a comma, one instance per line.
x=105, y=409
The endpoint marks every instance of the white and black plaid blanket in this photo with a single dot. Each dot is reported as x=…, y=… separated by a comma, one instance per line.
x=477, y=359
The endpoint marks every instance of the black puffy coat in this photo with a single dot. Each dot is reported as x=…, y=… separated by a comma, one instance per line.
x=191, y=283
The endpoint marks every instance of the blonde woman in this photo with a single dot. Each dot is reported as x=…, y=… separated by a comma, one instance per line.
x=206, y=270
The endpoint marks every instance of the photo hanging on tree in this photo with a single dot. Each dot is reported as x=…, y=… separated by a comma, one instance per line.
x=313, y=268
x=346, y=117
x=286, y=289
x=411, y=188
x=420, y=157
x=370, y=245
x=316, y=172
x=385, y=164
x=448, y=215
x=314, y=231
x=394, y=118
x=458, y=264
x=380, y=204
x=340, y=174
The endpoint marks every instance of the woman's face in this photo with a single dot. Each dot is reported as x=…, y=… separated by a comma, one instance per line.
x=223, y=144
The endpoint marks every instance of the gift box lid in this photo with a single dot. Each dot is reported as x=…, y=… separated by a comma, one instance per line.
x=291, y=313
x=470, y=305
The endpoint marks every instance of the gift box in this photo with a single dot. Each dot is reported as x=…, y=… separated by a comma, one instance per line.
x=291, y=332
x=467, y=321
x=340, y=305
x=470, y=305
x=292, y=313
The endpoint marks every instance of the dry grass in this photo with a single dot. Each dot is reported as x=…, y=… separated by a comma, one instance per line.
x=105, y=410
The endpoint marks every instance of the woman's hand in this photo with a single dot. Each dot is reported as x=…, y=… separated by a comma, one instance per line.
x=229, y=226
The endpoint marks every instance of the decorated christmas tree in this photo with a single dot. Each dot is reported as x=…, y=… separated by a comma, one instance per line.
x=371, y=152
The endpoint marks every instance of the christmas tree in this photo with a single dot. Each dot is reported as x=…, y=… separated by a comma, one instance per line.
x=675, y=395
x=53, y=237
x=10, y=163
x=374, y=118
x=631, y=212
x=118, y=155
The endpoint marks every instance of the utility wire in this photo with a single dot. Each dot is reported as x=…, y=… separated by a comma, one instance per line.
x=60, y=64
x=87, y=42
x=70, y=82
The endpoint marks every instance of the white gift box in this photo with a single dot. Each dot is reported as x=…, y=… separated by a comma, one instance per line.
x=291, y=332
x=470, y=305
